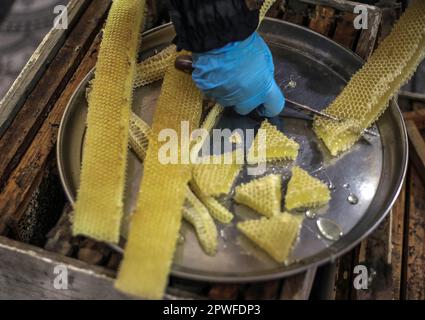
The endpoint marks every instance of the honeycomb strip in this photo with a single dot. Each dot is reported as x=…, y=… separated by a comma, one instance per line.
x=140, y=132
x=305, y=191
x=156, y=222
x=153, y=68
x=215, y=174
x=367, y=94
x=265, y=7
x=275, y=235
x=216, y=209
x=264, y=195
x=277, y=146
x=199, y=217
x=209, y=123
x=99, y=206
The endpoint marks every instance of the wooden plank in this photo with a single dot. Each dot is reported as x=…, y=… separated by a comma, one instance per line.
x=415, y=275
x=341, y=5
x=345, y=33
x=27, y=272
x=30, y=118
x=323, y=20
x=418, y=116
x=298, y=287
x=12, y=102
x=25, y=178
x=295, y=11
x=417, y=148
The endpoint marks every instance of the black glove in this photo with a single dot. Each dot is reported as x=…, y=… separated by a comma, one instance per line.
x=203, y=25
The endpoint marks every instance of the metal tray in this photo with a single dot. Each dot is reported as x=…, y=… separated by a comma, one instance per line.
x=312, y=70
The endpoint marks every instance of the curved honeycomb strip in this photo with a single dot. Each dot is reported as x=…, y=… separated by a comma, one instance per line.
x=153, y=68
x=305, y=191
x=209, y=122
x=264, y=195
x=156, y=222
x=275, y=235
x=277, y=147
x=265, y=7
x=199, y=217
x=99, y=206
x=216, y=209
x=366, y=96
x=139, y=136
x=216, y=174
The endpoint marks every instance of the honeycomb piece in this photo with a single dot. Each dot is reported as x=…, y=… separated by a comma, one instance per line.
x=199, y=217
x=277, y=146
x=275, y=235
x=209, y=122
x=305, y=191
x=153, y=68
x=216, y=209
x=156, y=221
x=139, y=136
x=216, y=174
x=99, y=206
x=265, y=7
x=264, y=195
x=366, y=96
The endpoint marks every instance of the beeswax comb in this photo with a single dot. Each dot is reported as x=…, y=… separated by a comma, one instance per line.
x=99, y=206
x=367, y=94
x=276, y=235
x=305, y=191
x=277, y=146
x=264, y=195
x=157, y=219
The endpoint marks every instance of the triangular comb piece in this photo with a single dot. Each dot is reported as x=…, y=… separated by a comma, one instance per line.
x=305, y=191
x=277, y=146
x=264, y=195
x=215, y=177
x=275, y=235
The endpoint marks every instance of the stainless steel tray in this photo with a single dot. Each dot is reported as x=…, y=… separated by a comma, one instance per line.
x=312, y=70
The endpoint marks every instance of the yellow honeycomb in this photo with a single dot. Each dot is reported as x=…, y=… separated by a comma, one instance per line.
x=265, y=7
x=367, y=94
x=275, y=235
x=305, y=191
x=216, y=209
x=216, y=174
x=153, y=69
x=156, y=221
x=277, y=147
x=99, y=206
x=198, y=216
x=139, y=136
x=264, y=195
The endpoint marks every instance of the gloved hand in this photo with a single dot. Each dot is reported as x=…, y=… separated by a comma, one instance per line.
x=241, y=75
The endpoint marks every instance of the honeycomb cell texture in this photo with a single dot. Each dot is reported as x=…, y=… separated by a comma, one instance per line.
x=367, y=94
x=199, y=217
x=153, y=68
x=157, y=219
x=264, y=195
x=99, y=206
x=216, y=174
x=275, y=235
x=305, y=191
x=270, y=145
x=139, y=136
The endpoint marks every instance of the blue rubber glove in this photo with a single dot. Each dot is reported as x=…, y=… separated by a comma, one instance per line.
x=241, y=75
